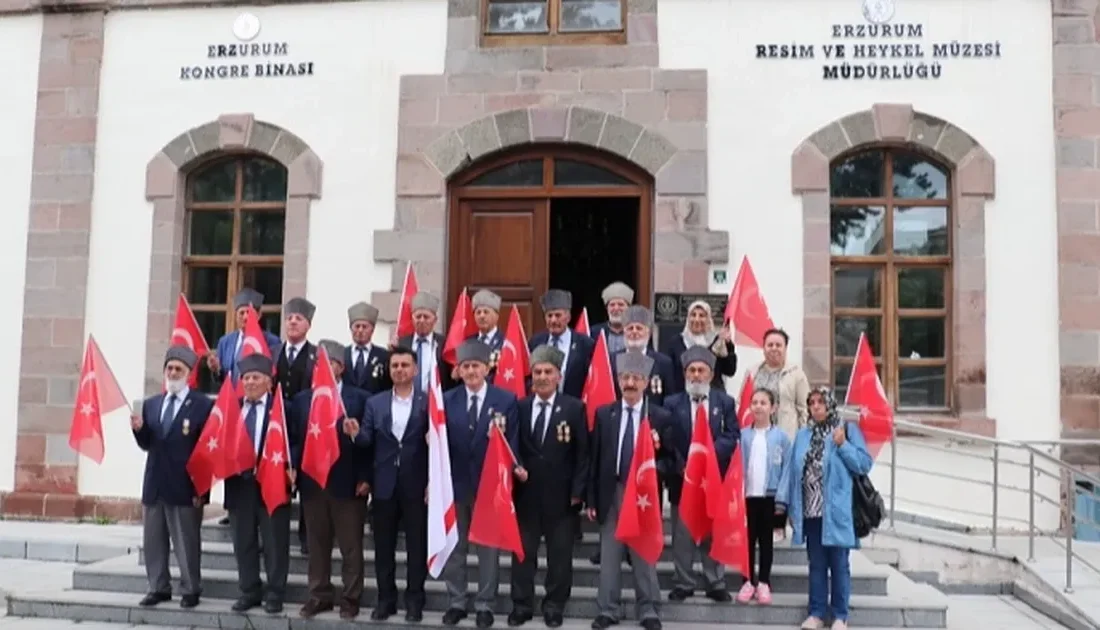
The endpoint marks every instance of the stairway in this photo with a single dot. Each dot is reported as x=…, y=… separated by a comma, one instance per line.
x=108, y=591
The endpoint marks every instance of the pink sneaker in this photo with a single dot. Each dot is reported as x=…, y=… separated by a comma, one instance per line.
x=763, y=594
x=746, y=593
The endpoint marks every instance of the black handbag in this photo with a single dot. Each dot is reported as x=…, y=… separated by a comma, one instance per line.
x=868, y=508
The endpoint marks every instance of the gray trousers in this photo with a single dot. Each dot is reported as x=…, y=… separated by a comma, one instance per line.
x=455, y=571
x=684, y=552
x=176, y=527
x=647, y=590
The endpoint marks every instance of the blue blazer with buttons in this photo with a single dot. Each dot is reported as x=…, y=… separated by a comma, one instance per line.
x=467, y=450
x=724, y=430
x=228, y=343
x=779, y=459
x=400, y=465
x=166, y=478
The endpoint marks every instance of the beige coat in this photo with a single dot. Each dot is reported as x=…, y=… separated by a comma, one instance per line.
x=794, y=388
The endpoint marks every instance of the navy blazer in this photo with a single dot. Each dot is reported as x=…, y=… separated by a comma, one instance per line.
x=604, y=447
x=575, y=374
x=376, y=370
x=662, y=383
x=723, y=366
x=166, y=477
x=724, y=430
x=446, y=382
x=496, y=343
x=556, y=461
x=240, y=485
x=468, y=451
x=352, y=467
x=228, y=358
x=400, y=466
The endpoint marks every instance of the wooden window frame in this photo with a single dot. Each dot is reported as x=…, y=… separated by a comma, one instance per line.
x=888, y=264
x=235, y=261
x=552, y=36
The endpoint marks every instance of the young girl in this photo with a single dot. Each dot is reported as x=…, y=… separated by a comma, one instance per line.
x=766, y=452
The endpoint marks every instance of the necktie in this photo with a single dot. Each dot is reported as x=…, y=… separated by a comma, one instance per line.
x=626, y=453
x=472, y=413
x=168, y=416
x=540, y=424
x=360, y=364
x=556, y=341
x=422, y=373
x=484, y=338
x=293, y=353
x=250, y=423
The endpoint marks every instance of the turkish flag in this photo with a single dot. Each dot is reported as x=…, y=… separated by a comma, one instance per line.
x=514, y=363
x=409, y=288
x=98, y=394
x=599, y=385
x=746, y=309
x=186, y=332
x=224, y=448
x=254, y=342
x=582, y=326
x=730, y=538
x=462, y=327
x=493, y=523
x=876, y=414
x=272, y=471
x=322, y=447
x=640, y=526
x=701, y=498
x=744, y=406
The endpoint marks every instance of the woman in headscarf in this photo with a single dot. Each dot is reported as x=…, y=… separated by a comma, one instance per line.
x=785, y=380
x=827, y=453
x=701, y=331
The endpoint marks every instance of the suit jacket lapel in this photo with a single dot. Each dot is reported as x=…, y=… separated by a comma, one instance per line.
x=616, y=422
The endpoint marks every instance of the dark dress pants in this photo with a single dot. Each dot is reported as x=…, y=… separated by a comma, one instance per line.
x=408, y=513
x=559, y=532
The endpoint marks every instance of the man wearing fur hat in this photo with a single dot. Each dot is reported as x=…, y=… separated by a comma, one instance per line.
x=637, y=326
x=617, y=297
x=167, y=428
x=247, y=513
x=487, y=315
x=229, y=346
x=557, y=309
x=471, y=410
x=294, y=368
x=721, y=411
x=427, y=344
x=366, y=365
x=553, y=445
x=612, y=448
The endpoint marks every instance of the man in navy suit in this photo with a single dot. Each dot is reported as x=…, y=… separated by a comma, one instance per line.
x=167, y=429
x=557, y=307
x=366, y=364
x=698, y=362
x=471, y=410
x=612, y=448
x=294, y=362
x=427, y=344
x=553, y=444
x=335, y=513
x=229, y=346
x=487, y=316
x=617, y=297
x=247, y=513
x=395, y=426
x=637, y=324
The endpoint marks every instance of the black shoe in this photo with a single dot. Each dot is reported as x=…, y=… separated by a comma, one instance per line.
x=484, y=619
x=273, y=607
x=651, y=624
x=224, y=520
x=516, y=618
x=245, y=604
x=595, y=558
x=414, y=614
x=679, y=594
x=304, y=549
x=453, y=616
x=553, y=619
x=152, y=599
x=383, y=612
x=189, y=601
x=717, y=595
x=603, y=622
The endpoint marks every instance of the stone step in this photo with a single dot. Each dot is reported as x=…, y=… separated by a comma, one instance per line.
x=867, y=578
x=93, y=606
x=908, y=605
x=586, y=525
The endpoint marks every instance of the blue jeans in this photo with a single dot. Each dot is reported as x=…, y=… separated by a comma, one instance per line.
x=826, y=563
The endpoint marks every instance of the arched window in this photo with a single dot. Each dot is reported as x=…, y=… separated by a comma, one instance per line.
x=235, y=224
x=890, y=246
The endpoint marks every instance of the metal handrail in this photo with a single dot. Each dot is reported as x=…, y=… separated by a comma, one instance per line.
x=1033, y=450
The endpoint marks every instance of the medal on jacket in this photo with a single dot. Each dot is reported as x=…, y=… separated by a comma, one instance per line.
x=655, y=384
x=376, y=371
x=499, y=420
x=564, y=435
x=494, y=357
x=186, y=426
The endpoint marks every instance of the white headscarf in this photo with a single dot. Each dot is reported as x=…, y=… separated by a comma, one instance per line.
x=708, y=335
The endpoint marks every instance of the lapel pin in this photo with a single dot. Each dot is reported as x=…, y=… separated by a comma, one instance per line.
x=186, y=426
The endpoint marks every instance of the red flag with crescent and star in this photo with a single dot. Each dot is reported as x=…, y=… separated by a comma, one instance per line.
x=746, y=310
x=322, y=442
x=409, y=288
x=514, y=363
x=493, y=523
x=98, y=394
x=463, y=326
x=730, y=538
x=599, y=385
x=271, y=473
x=186, y=332
x=744, y=405
x=640, y=526
x=254, y=342
x=876, y=414
x=582, y=325
x=701, y=498
x=224, y=448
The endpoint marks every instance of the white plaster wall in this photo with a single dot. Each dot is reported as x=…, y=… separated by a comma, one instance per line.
x=761, y=109
x=346, y=112
x=17, y=112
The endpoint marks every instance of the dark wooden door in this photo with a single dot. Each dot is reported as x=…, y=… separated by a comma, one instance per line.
x=501, y=245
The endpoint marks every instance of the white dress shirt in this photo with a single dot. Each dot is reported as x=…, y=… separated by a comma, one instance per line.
x=622, y=430
x=536, y=408
x=425, y=363
x=180, y=397
x=565, y=342
x=297, y=349
x=400, y=412
x=487, y=338
x=480, y=398
x=758, y=464
x=261, y=405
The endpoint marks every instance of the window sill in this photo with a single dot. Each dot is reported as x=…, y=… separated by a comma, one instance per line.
x=492, y=40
